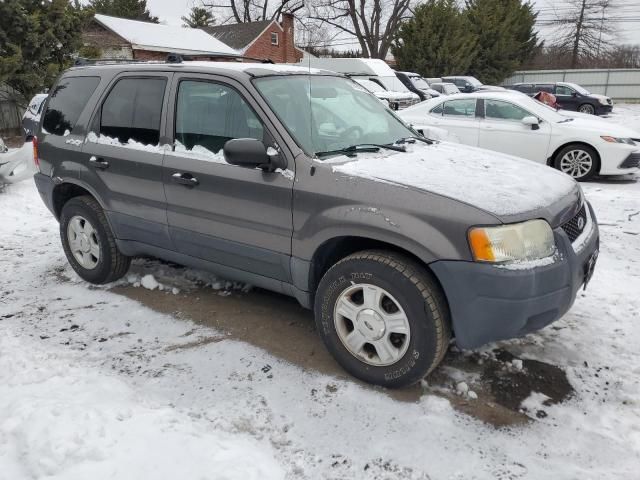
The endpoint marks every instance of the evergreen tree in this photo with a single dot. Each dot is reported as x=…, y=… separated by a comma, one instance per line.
x=436, y=42
x=199, y=17
x=133, y=9
x=506, y=37
x=37, y=40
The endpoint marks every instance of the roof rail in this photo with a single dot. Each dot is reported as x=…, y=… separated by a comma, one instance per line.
x=179, y=58
x=81, y=61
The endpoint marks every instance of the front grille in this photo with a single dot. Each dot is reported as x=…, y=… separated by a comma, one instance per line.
x=632, y=161
x=574, y=227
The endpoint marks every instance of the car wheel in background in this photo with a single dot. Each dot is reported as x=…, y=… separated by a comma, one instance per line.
x=579, y=161
x=383, y=317
x=587, y=108
x=89, y=243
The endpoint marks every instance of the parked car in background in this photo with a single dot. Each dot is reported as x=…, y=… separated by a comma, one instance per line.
x=512, y=123
x=445, y=88
x=298, y=181
x=31, y=117
x=465, y=84
x=569, y=96
x=16, y=164
x=394, y=100
x=417, y=84
x=365, y=69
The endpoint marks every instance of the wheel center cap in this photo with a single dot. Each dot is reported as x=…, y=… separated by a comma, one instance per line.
x=85, y=246
x=370, y=324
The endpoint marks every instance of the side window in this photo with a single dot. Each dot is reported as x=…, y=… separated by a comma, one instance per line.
x=460, y=108
x=562, y=90
x=66, y=103
x=437, y=110
x=132, y=110
x=499, y=110
x=544, y=88
x=210, y=114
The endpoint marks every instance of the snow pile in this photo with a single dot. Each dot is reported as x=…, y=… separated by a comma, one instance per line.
x=496, y=183
x=92, y=137
x=61, y=420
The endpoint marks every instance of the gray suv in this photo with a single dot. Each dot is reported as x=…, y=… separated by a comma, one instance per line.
x=301, y=182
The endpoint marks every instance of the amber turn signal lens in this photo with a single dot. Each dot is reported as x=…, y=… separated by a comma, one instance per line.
x=481, y=247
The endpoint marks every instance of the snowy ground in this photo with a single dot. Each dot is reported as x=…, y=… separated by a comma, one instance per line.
x=95, y=385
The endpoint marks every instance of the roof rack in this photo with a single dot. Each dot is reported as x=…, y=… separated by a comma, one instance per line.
x=179, y=58
x=81, y=61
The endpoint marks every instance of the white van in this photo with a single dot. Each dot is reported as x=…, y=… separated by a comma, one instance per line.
x=371, y=69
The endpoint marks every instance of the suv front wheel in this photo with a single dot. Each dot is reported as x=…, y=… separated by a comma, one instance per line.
x=383, y=317
x=89, y=243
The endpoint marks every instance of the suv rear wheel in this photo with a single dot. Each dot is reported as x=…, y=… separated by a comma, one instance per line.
x=89, y=243
x=383, y=317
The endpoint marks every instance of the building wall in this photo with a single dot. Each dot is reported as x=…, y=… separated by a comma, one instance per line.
x=619, y=83
x=110, y=44
x=284, y=52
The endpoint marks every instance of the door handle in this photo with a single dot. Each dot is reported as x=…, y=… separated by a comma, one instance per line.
x=99, y=162
x=185, y=179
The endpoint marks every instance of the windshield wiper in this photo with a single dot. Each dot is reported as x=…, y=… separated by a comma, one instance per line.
x=566, y=120
x=428, y=141
x=362, y=147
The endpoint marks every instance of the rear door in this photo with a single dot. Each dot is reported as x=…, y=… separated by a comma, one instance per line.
x=123, y=156
x=234, y=216
x=458, y=117
x=502, y=130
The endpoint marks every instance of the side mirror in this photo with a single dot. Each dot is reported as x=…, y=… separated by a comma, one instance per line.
x=532, y=122
x=574, y=94
x=251, y=153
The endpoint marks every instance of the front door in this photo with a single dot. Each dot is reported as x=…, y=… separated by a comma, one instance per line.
x=233, y=216
x=123, y=157
x=502, y=130
x=567, y=97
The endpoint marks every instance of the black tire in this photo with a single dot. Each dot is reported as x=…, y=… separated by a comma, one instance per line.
x=416, y=292
x=111, y=264
x=587, y=108
x=595, y=165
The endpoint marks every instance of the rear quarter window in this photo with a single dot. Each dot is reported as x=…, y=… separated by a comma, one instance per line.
x=66, y=103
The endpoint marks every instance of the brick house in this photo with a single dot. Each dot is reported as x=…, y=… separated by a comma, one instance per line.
x=267, y=39
x=131, y=39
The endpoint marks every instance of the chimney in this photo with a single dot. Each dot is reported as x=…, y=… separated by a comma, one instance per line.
x=289, y=46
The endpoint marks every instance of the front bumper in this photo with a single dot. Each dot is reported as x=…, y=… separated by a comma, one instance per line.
x=603, y=109
x=489, y=303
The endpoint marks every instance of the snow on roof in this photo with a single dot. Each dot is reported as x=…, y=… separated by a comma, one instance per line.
x=164, y=38
x=365, y=66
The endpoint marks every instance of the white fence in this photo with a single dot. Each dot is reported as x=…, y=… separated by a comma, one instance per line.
x=618, y=83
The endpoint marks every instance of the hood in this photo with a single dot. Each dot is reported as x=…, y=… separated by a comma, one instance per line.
x=601, y=97
x=600, y=126
x=511, y=189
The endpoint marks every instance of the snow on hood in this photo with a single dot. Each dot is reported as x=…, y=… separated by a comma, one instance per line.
x=496, y=183
x=601, y=126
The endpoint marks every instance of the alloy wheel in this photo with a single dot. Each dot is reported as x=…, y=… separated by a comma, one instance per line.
x=577, y=163
x=83, y=242
x=372, y=325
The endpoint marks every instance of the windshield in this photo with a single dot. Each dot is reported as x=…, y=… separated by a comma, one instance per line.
x=330, y=113
x=578, y=88
x=369, y=85
x=419, y=82
x=393, y=84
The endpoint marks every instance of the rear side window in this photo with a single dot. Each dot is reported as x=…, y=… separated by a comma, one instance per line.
x=210, y=114
x=133, y=109
x=562, y=90
x=460, y=108
x=499, y=110
x=66, y=103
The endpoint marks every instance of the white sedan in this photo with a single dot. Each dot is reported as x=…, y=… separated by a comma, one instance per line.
x=513, y=123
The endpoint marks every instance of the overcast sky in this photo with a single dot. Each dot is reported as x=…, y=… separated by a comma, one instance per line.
x=170, y=11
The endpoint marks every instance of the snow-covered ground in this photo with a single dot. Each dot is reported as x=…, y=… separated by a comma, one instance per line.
x=95, y=385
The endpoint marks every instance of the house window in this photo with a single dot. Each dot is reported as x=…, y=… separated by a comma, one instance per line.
x=274, y=38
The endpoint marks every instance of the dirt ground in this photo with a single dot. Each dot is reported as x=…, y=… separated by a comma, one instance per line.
x=279, y=325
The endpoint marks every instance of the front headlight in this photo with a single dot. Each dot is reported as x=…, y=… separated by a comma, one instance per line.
x=512, y=243
x=603, y=101
x=610, y=139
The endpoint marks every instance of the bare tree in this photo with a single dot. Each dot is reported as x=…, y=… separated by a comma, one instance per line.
x=241, y=11
x=583, y=29
x=372, y=22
